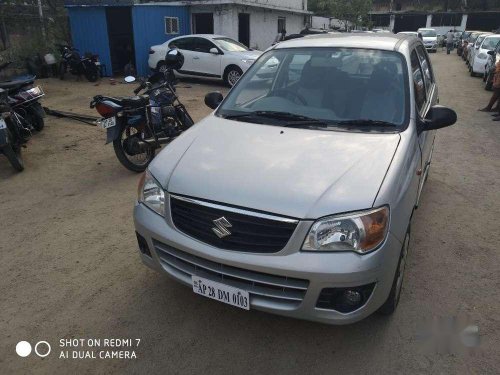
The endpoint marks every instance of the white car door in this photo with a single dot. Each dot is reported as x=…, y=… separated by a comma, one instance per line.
x=187, y=47
x=205, y=63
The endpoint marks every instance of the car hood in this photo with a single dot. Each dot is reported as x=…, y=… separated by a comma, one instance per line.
x=299, y=173
x=247, y=54
x=429, y=38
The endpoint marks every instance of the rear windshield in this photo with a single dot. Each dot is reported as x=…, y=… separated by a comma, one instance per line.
x=333, y=85
x=428, y=33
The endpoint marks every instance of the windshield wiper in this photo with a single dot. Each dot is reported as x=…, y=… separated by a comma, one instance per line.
x=367, y=122
x=290, y=119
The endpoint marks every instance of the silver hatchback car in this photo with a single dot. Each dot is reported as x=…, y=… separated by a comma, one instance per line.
x=296, y=195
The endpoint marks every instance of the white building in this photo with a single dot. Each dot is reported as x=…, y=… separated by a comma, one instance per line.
x=255, y=23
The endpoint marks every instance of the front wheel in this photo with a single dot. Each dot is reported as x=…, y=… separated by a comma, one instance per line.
x=232, y=75
x=392, y=301
x=489, y=82
x=92, y=74
x=129, y=151
x=36, y=114
x=13, y=154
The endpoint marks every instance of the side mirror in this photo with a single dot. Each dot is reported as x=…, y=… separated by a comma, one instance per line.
x=213, y=99
x=492, y=53
x=214, y=51
x=439, y=117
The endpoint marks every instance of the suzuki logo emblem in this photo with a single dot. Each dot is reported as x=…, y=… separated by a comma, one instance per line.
x=221, y=225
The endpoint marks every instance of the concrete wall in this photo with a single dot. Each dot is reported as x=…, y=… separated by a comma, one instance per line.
x=320, y=22
x=263, y=23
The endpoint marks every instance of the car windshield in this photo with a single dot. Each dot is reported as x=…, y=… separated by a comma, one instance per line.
x=230, y=45
x=490, y=43
x=428, y=33
x=345, y=87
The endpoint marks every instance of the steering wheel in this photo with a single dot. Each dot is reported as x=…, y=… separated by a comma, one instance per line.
x=286, y=93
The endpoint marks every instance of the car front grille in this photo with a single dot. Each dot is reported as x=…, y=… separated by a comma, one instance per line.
x=263, y=287
x=249, y=231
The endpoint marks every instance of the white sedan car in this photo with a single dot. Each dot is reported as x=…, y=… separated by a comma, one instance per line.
x=480, y=56
x=207, y=56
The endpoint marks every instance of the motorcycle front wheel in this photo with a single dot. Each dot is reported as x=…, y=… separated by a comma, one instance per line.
x=92, y=74
x=36, y=114
x=13, y=154
x=133, y=161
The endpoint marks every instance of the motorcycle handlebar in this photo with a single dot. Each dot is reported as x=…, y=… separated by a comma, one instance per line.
x=140, y=88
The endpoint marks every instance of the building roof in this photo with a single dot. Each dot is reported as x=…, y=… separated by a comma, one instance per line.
x=382, y=41
x=247, y=3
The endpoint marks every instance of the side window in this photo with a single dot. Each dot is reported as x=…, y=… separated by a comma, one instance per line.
x=203, y=45
x=418, y=81
x=187, y=44
x=426, y=69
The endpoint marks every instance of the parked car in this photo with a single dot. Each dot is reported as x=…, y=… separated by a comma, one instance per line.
x=296, y=195
x=493, y=58
x=471, y=40
x=429, y=37
x=462, y=43
x=474, y=49
x=416, y=34
x=480, y=56
x=207, y=56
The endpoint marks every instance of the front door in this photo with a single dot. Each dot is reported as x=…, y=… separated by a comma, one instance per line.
x=204, y=62
x=244, y=28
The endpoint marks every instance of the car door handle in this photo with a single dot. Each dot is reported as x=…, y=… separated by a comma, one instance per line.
x=196, y=58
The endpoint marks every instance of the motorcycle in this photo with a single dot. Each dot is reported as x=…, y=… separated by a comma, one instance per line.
x=24, y=98
x=86, y=66
x=13, y=133
x=139, y=125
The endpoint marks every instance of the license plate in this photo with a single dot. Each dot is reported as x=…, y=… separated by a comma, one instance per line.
x=106, y=123
x=3, y=125
x=221, y=292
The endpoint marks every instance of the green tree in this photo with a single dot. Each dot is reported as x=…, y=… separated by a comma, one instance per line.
x=347, y=11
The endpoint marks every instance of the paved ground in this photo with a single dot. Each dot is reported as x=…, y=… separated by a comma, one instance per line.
x=69, y=266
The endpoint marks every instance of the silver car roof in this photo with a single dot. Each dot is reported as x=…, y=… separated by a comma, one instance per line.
x=381, y=41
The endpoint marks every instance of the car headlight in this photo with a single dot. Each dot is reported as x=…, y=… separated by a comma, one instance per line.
x=248, y=61
x=361, y=232
x=151, y=194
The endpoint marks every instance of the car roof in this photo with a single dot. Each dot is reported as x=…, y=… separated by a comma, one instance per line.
x=209, y=36
x=381, y=41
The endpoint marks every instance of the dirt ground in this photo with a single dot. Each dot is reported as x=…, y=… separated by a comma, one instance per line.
x=70, y=267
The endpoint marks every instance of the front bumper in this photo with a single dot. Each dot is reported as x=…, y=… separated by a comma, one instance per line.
x=320, y=270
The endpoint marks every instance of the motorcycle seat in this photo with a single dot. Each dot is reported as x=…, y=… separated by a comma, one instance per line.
x=16, y=84
x=131, y=102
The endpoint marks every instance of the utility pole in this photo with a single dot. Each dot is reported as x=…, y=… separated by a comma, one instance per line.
x=40, y=14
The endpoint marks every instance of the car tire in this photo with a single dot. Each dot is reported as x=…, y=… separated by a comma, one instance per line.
x=489, y=83
x=232, y=74
x=392, y=300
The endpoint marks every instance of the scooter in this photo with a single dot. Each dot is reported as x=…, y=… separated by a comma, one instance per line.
x=13, y=133
x=24, y=98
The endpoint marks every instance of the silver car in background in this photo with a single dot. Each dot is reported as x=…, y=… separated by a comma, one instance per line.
x=296, y=195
